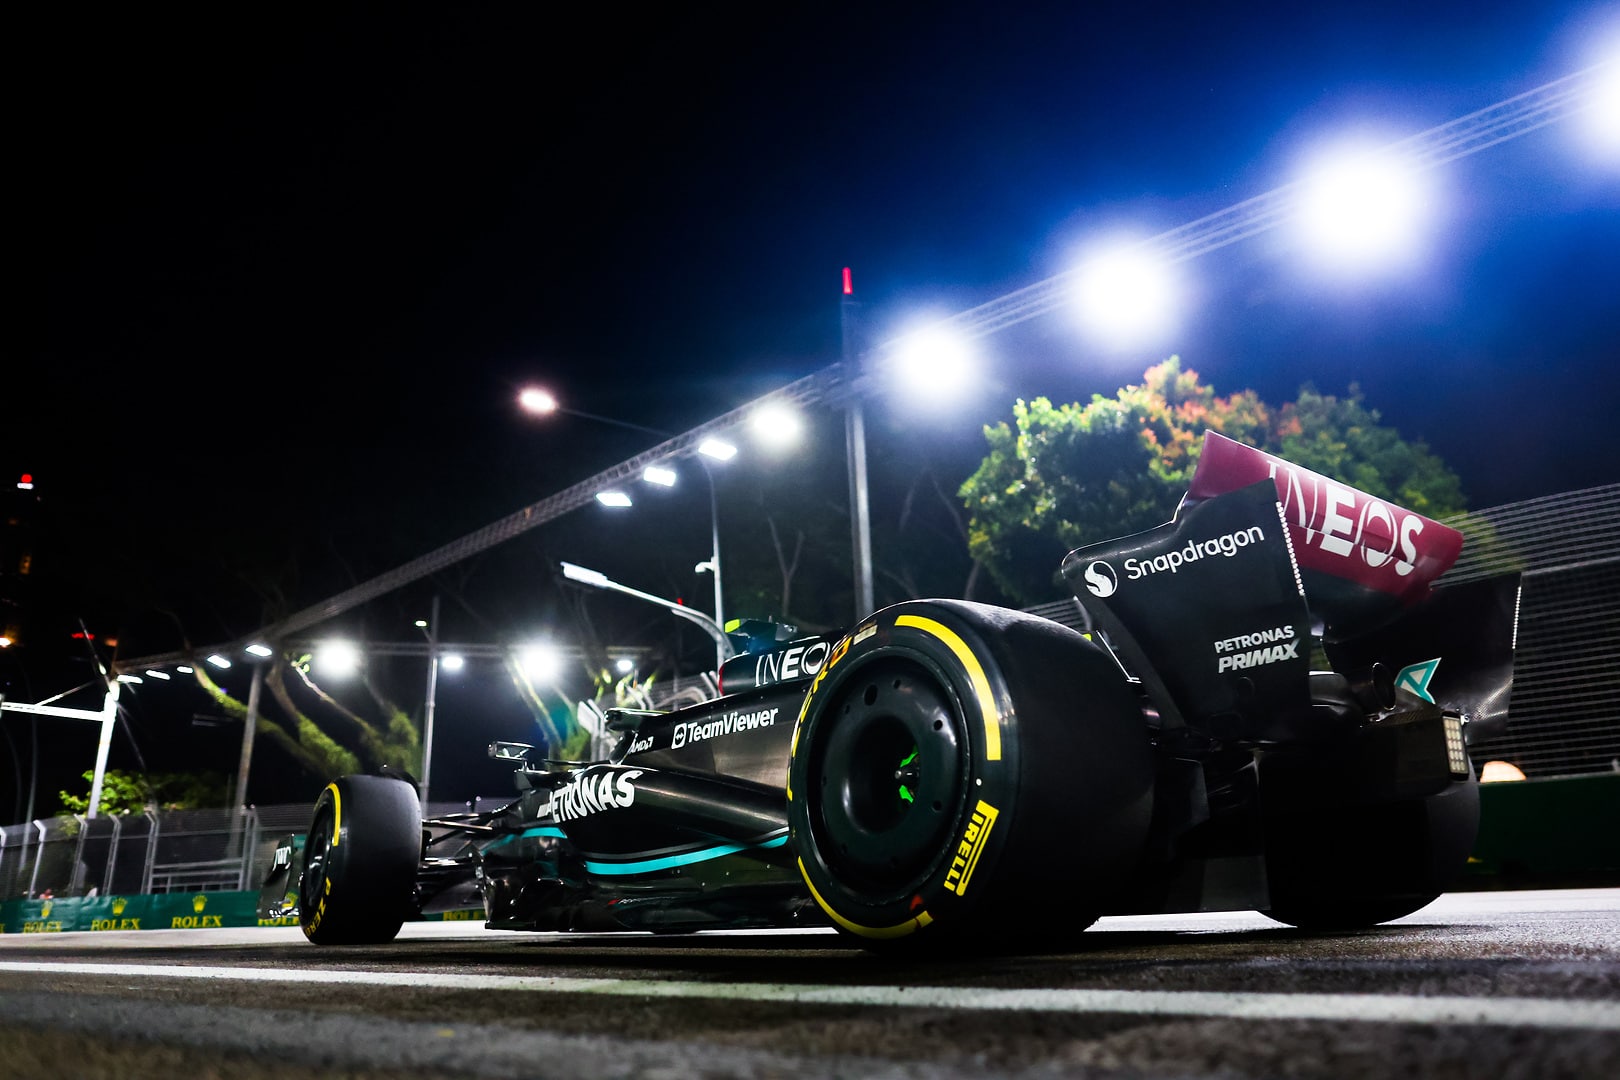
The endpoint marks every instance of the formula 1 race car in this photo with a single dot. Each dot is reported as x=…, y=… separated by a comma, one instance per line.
x=1270, y=711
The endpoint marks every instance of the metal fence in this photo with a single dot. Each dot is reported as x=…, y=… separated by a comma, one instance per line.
x=186, y=851
x=1564, y=717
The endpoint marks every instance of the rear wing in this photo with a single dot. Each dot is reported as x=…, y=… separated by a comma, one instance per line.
x=1362, y=559
x=1216, y=611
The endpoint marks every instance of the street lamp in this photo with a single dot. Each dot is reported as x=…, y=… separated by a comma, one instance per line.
x=541, y=402
x=598, y=580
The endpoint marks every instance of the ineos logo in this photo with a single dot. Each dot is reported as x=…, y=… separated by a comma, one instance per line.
x=1101, y=579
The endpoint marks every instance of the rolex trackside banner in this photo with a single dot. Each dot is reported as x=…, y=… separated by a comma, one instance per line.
x=1337, y=530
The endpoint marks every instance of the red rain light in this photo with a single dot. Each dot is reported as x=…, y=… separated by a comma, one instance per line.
x=849, y=283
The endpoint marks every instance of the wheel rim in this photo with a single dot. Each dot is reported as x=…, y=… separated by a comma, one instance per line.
x=888, y=779
x=317, y=849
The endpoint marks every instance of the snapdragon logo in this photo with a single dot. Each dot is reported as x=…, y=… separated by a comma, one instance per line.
x=1101, y=579
x=1224, y=546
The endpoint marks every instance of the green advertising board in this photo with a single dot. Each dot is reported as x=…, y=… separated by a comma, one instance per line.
x=170, y=911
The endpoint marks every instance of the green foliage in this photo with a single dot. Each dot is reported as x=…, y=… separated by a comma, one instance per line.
x=133, y=793
x=1342, y=438
x=1074, y=474
x=325, y=736
x=1064, y=476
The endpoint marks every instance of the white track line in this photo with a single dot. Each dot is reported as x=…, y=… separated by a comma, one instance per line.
x=1366, y=1008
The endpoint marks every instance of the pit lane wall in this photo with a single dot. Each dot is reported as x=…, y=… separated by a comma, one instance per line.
x=163, y=911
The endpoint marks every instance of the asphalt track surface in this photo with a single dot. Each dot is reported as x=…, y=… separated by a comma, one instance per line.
x=1522, y=984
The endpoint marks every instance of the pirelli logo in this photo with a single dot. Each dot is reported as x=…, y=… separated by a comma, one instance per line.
x=974, y=838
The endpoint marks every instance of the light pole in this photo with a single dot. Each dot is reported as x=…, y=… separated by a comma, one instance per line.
x=543, y=403
x=432, y=632
x=860, y=515
x=598, y=580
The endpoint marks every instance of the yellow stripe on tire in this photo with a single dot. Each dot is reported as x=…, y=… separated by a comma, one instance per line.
x=337, y=813
x=975, y=674
x=910, y=926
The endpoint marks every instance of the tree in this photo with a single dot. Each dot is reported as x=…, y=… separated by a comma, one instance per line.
x=133, y=793
x=1073, y=474
x=323, y=735
x=1341, y=438
x=1065, y=476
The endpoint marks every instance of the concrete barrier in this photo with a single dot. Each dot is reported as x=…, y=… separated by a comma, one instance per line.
x=1557, y=833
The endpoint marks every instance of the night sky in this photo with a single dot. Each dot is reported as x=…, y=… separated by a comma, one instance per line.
x=276, y=283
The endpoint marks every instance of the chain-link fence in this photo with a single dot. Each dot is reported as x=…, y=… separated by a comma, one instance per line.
x=1564, y=717
x=180, y=851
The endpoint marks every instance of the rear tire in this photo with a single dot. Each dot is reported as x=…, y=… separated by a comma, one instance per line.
x=968, y=776
x=1350, y=867
x=360, y=862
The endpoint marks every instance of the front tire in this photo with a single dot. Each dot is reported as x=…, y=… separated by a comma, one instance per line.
x=360, y=861
x=969, y=775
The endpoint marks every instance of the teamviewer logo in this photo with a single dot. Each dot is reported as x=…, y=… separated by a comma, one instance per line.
x=1101, y=580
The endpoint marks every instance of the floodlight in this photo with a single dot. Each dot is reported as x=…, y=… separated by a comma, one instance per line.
x=624, y=665
x=934, y=362
x=129, y=678
x=718, y=449
x=540, y=661
x=452, y=662
x=658, y=474
x=337, y=659
x=538, y=401
x=258, y=649
x=777, y=424
x=1126, y=295
x=155, y=674
x=219, y=661
x=613, y=498
x=1601, y=120
x=185, y=669
x=1359, y=209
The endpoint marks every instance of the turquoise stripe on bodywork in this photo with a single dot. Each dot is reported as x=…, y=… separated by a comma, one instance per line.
x=648, y=866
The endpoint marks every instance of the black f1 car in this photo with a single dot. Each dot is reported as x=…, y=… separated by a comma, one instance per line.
x=1271, y=711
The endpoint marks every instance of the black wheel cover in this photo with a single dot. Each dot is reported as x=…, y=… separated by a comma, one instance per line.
x=890, y=778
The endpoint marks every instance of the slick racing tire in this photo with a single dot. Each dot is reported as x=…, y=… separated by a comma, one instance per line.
x=1350, y=867
x=967, y=776
x=360, y=861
